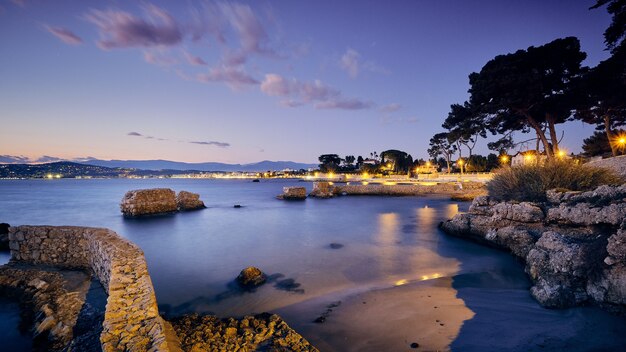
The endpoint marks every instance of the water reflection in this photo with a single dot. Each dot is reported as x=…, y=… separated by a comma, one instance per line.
x=387, y=238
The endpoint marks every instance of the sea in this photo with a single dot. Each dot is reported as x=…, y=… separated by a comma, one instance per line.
x=356, y=262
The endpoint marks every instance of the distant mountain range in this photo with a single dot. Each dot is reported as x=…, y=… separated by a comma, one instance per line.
x=208, y=166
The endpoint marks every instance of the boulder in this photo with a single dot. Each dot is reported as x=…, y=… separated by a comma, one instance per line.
x=585, y=214
x=293, y=193
x=189, y=201
x=616, y=247
x=149, y=202
x=251, y=277
x=324, y=189
x=521, y=212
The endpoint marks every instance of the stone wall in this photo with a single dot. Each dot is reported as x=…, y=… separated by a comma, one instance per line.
x=132, y=321
x=617, y=164
x=573, y=246
x=409, y=190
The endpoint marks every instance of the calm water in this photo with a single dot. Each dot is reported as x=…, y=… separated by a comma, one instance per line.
x=193, y=257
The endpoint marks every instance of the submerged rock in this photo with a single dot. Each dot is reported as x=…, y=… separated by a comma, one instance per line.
x=189, y=201
x=251, y=277
x=293, y=193
x=149, y=202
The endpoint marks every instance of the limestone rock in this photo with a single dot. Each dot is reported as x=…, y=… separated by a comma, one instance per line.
x=189, y=201
x=251, y=277
x=616, y=247
x=522, y=212
x=262, y=332
x=323, y=189
x=587, y=214
x=293, y=193
x=149, y=202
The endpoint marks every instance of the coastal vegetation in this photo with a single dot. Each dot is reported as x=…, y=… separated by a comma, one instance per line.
x=530, y=182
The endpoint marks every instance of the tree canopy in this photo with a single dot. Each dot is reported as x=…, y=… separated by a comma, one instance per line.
x=528, y=90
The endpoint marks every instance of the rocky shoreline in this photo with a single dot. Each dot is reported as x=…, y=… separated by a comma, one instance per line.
x=573, y=245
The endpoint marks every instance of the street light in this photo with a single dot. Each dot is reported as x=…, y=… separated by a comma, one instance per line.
x=504, y=159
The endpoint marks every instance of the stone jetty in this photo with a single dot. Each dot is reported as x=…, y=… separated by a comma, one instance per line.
x=45, y=261
x=158, y=201
x=573, y=246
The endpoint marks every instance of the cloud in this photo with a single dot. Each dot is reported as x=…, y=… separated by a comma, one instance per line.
x=119, y=29
x=345, y=104
x=194, y=60
x=297, y=93
x=65, y=35
x=235, y=77
x=48, y=159
x=393, y=107
x=217, y=144
x=159, y=59
x=13, y=159
x=350, y=62
x=136, y=134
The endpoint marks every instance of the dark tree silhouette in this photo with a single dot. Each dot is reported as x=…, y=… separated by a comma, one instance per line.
x=528, y=90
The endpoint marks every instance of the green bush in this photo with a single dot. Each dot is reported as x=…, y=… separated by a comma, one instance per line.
x=529, y=183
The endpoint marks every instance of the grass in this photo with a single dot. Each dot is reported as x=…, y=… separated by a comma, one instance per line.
x=529, y=183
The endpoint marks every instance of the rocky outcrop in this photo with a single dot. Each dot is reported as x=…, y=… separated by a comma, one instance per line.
x=149, y=202
x=189, y=201
x=293, y=193
x=251, y=277
x=132, y=321
x=262, y=332
x=573, y=246
x=324, y=189
x=53, y=309
x=617, y=164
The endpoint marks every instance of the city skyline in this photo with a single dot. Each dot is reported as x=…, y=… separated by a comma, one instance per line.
x=240, y=82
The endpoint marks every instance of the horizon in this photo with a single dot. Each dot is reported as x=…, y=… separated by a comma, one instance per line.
x=238, y=82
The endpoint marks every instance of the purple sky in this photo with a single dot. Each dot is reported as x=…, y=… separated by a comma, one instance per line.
x=242, y=82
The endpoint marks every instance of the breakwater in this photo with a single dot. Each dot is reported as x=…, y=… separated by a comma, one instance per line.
x=131, y=321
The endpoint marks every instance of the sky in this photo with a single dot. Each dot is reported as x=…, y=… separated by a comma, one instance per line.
x=245, y=81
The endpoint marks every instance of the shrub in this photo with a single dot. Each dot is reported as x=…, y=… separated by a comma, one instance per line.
x=529, y=183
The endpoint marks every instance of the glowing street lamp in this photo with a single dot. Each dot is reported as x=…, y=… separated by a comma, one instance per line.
x=504, y=159
x=561, y=154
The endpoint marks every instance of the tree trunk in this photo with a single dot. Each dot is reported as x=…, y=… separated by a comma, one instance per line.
x=535, y=125
x=609, y=133
x=553, y=137
x=448, y=161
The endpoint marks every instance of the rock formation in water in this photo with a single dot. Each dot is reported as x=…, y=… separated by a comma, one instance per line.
x=189, y=201
x=251, y=277
x=323, y=189
x=574, y=245
x=148, y=202
x=293, y=193
x=262, y=332
x=158, y=201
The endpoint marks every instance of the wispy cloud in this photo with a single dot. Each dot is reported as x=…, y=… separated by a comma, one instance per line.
x=158, y=58
x=194, y=60
x=217, y=144
x=213, y=143
x=352, y=62
x=296, y=93
x=234, y=77
x=120, y=29
x=393, y=107
x=65, y=35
